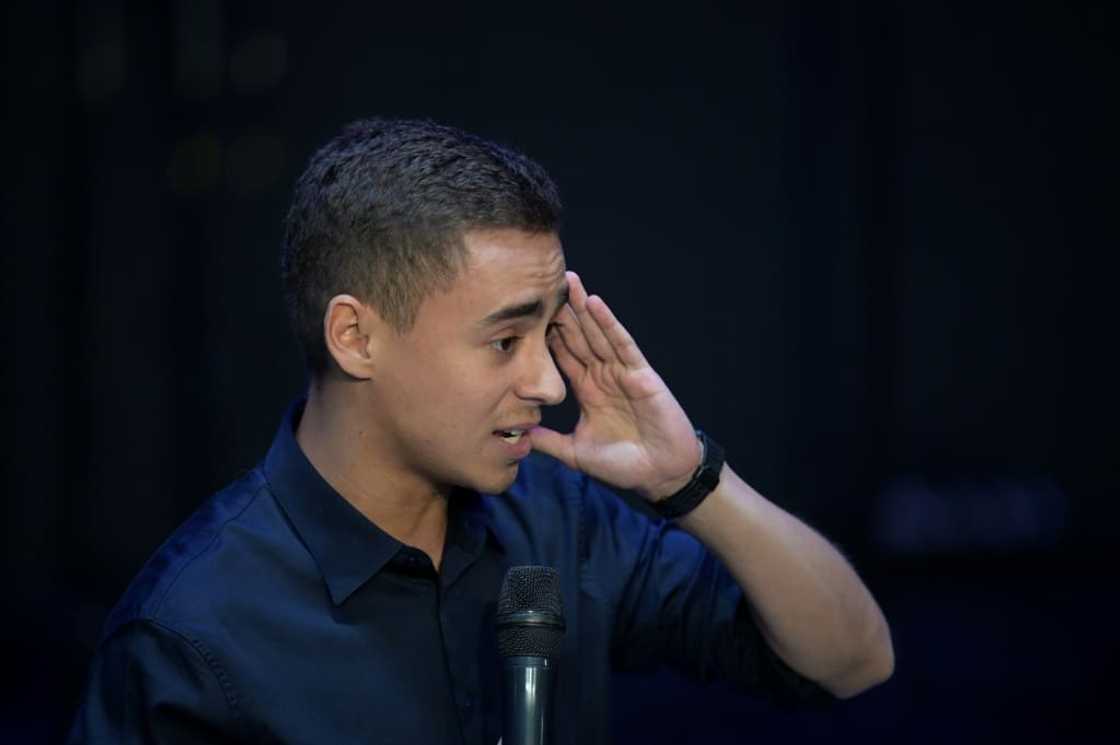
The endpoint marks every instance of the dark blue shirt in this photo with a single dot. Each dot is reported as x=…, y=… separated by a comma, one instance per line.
x=278, y=613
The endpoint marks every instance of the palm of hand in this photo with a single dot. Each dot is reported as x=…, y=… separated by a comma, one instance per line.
x=632, y=432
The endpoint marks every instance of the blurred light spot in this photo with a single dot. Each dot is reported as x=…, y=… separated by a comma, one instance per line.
x=915, y=515
x=196, y=165
x=259, y=63
x=256, y=163
x=199, y=48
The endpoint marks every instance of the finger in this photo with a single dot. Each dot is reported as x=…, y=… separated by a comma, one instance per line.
x=572, y=332
x=551, y=442
x=619, y=338
x=595, y=337
x=572, y=367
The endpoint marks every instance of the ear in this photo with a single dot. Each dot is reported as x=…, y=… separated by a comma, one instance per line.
x=353, y=333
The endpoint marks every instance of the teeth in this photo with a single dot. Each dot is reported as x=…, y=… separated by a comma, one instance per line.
x=512, y=436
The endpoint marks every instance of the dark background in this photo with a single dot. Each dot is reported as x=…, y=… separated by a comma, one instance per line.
x=868, y=245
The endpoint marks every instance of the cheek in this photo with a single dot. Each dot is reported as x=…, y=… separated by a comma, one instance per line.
x=447, y=376
x=459, y=390
x=474, y=403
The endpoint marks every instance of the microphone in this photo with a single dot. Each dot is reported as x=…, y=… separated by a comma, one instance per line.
x=530, y=621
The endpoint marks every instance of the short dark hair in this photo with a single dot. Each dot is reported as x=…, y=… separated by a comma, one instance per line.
x=380, y=213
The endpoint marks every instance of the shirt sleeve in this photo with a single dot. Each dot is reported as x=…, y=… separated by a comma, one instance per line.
x=150, y=684
x=677, y=604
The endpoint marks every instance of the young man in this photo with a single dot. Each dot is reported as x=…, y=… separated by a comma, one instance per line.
x=344, y=590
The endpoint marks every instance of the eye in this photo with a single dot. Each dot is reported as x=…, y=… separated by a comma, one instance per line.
x=505, y=344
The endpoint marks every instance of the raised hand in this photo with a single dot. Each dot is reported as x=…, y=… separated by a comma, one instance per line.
x=631, y=432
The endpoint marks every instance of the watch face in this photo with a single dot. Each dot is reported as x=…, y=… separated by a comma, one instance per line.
x=713, y=462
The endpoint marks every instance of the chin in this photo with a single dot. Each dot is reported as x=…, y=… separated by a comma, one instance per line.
x=496, y=483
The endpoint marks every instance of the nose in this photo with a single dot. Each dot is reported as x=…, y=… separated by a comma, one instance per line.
x=541, y=381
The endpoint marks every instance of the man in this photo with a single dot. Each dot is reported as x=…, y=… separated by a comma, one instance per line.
x=344, y=590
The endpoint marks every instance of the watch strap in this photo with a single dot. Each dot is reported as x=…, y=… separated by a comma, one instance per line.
x=703, y=482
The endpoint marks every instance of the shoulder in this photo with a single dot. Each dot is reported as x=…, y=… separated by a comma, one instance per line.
x=542, y=473
x=551, y=497
x=201, y=558
x=547, y=488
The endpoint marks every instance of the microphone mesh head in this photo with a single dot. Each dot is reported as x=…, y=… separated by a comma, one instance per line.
x=530, y=613
x=531, y=588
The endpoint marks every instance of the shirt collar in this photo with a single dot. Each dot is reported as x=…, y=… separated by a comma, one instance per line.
x=347, y=547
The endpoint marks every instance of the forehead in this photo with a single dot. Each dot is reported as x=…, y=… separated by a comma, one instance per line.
x=502, y=267
x=508, y=255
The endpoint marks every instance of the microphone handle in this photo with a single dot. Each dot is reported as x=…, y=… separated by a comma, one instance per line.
x=527, y=697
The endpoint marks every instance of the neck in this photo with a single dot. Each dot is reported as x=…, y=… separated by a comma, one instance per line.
x=338, y=437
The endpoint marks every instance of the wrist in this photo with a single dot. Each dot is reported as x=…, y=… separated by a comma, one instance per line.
x=674, y=503
x=665, y=489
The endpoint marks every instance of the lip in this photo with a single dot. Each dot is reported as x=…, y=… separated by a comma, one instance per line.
x=517, y=450
x=526, y=426
x=521, y=448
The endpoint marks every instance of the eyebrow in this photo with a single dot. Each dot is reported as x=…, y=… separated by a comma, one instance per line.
x=531, y=309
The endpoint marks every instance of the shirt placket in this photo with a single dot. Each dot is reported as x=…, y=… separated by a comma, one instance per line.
x=460, y=611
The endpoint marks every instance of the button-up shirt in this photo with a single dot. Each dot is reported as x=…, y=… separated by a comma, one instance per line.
x=279, y=613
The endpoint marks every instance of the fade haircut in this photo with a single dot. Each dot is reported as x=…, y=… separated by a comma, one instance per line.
x=380, y=214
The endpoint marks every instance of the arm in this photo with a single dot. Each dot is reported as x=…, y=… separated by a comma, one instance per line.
x=148, y=684
x=812, y=608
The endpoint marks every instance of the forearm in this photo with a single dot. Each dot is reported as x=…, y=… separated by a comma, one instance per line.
x=632, y=433
x=809, y=603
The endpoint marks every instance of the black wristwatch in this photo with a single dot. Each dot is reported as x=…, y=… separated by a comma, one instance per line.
x=703, y=482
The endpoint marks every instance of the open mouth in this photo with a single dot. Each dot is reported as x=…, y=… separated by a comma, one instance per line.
x=512, y=436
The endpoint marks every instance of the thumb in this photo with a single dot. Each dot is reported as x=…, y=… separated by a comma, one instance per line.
x=551, y=442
